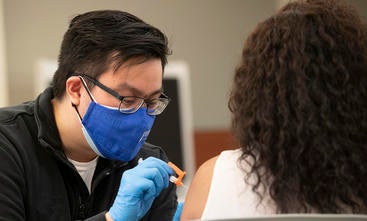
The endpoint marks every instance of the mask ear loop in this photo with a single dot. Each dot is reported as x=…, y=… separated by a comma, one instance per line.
x=76, y=109
x=86, y=87
x=89, y=93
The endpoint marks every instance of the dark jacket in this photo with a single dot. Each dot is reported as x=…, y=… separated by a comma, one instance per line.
x=37, y=182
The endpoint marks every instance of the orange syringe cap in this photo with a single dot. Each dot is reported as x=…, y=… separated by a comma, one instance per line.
x=179, y=172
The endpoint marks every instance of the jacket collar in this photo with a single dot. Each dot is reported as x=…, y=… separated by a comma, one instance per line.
x=48, y=134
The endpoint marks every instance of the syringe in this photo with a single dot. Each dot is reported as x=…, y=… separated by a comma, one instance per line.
x=179, y=172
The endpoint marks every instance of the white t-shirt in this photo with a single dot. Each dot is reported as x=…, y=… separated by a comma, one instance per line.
x=86, y=170
x=229, y=196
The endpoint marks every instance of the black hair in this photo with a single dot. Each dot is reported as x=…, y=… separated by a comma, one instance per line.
x=98, y=39
x=299, y=106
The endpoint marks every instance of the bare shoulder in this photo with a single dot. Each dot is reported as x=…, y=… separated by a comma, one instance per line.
x=198, y=191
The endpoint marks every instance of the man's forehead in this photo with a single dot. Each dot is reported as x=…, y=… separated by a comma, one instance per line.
x=139, y=92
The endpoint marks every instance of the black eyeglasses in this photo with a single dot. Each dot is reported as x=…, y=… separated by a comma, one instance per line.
x=130, y=104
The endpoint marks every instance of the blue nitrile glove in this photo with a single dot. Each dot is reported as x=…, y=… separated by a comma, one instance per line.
x=139, y=186
x=178, y=212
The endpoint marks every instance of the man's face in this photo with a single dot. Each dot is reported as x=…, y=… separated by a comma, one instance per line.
x=131, y=79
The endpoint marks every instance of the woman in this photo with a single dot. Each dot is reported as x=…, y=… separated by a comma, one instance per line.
x=299, y=104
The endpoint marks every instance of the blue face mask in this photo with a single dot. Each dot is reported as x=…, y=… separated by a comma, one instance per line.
x=115, y=135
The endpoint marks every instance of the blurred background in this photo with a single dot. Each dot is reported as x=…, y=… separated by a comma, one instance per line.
x=207, y=35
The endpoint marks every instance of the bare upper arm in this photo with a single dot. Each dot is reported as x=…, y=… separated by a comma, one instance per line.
x=198, y=191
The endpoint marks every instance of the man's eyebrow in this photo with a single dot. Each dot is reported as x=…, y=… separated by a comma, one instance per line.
x=138, y=92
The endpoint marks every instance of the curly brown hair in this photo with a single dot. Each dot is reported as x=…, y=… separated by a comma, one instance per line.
x=299, y=104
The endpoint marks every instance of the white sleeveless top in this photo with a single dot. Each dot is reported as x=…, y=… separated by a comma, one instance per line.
x=229, y=196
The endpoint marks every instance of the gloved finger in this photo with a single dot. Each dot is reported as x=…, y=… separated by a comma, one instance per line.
x=162, y=174
x=158, y=178
x=137, y=187
x=146, y=190
x=150, y=186
x=151, y=191
x=155, y=162
x=137, y=182
x=162, y=166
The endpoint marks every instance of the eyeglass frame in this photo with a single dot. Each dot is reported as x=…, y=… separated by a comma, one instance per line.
x=163, y=97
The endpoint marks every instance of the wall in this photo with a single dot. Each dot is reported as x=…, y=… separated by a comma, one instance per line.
x=3, y=73
x=208, y=34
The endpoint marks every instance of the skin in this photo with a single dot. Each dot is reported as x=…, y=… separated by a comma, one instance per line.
x=131, y=79
x=197, y=194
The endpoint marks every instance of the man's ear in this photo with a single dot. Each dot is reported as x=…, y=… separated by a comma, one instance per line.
x=73, y=89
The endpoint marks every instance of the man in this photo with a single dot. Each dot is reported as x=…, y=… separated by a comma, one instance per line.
x=78, y=151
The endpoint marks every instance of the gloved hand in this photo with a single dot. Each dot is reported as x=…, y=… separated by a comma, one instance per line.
x=178, y=212
x=139, y=186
